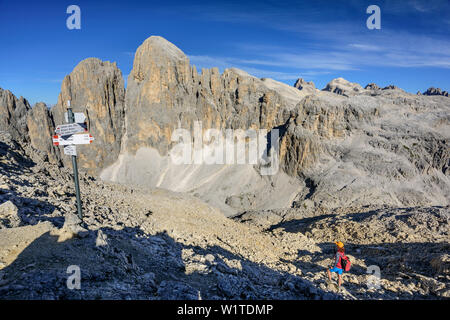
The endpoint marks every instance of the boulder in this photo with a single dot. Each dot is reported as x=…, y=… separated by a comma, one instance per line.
x=391, y=87
x=441, y=264
x=71, y=228
x=9, y=215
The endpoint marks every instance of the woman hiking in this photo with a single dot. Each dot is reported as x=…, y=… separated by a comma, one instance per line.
x=337, y=267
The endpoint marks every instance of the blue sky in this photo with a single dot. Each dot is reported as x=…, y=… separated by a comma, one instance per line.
x=284, y=40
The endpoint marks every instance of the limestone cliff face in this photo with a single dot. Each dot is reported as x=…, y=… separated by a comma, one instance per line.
x=316, y=121
x=40, y=130
x=95, y=88
x=343, y=133
x=164, y=92
x=156, y=91
x=13, y=115
x=30, y=126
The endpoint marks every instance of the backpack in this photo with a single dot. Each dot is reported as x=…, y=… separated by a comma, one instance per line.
x=345, y=263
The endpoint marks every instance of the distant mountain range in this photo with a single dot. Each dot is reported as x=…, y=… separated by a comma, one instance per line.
x=341, y=146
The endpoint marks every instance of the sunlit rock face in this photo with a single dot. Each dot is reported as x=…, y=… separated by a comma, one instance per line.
x=165, y=92
x=13, y=114
x=344, y=144
x=40, y=128
x=95, y=88
x=340, y=146
x=343, y=87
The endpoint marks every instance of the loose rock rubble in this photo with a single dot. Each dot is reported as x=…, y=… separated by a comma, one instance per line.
x=136, y=243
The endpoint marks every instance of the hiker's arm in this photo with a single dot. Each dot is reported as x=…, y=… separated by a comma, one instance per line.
x=337, y=260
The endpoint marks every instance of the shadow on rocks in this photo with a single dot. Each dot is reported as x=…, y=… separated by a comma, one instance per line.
x=414, y=265
x=29, y=211
x=129, y=264
x=18, y=163
x=298, y=225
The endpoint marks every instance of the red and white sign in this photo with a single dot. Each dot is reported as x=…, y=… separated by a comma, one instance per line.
x=85, y=138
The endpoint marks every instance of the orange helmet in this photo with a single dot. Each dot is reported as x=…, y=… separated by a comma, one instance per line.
x=339, y=244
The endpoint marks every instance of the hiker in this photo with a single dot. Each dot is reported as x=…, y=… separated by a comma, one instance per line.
x=339, y=262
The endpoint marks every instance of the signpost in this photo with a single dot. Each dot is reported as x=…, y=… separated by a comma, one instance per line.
x=70, y=150
x=73, y=139
x=68, y=135
x=69, y=129
x=79, y=117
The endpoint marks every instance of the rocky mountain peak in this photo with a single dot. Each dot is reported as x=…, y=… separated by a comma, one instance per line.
x=133, y=131
x=343, y=87
x=13, y=113
x=96, y=88
x=162, y=46
x=40, y=127
x=238, y=72
x=156, y=53
x=301, y=84
x=392, y=87
x=435, y=92
x=372, y=86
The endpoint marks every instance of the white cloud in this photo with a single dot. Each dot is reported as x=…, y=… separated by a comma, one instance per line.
x=365, y=47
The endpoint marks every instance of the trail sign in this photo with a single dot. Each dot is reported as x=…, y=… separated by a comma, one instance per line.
x=56, y=140
x=79, y=117
x=69, y=129
x=70, y=150
x=85, y=138
x=66, y=135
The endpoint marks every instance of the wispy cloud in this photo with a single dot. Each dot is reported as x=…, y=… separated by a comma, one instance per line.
x=334, y=43
x=365, y=47
x=426, y=6
x=391, y=50
x=341, y=44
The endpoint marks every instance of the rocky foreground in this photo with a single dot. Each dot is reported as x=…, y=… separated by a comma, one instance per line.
x=139, y=243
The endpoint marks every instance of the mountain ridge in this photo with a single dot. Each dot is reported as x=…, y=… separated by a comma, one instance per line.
x=133, y=128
